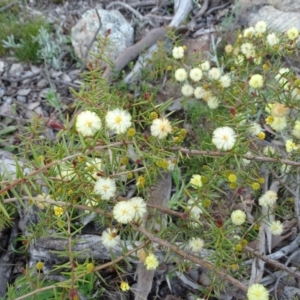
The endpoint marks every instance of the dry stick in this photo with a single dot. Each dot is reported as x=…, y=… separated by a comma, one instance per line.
x=8, y=6
x=272, y=262
x=190, y=257
x=132, y=52
x=202, y=10
x=63, y=284
x=135, y=12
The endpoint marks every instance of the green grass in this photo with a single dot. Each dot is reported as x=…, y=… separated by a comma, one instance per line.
x=23, y=29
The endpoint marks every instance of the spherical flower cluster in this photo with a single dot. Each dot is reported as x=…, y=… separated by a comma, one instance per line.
x=90, y=267
x=279, y=124
x=110, y=238
x=238, y=217
x=160, y=128
x=187, y=90
x=269, y=151
x=213, y=102
x=228, y=48
x=39, y=265
x=118, y=120
x=181, y=74
x=248, y=50
x=196, y=181
x=139, y=207
x=196, y=74
x=178, y=52
x=296, y=129
x=205, y=66
x=275, y=227
x=257, y=292
x=268, y=198
x=225, y=81
x=151, y=262
x=292, y=33
x=254, y=129
x=58, y=211
x=124, y=212
x=249, y=32
x=199, y=92
x=105, y=187
x=256, y=81
x=272, y=39
x=214, y=73
x=196, y=245
x=194, y=208
x=260, y=27
x=124, y=286
x=279, y=110
x=285, y=169
x=290, y=146
x=232, y=177
x=88, y=123
x=224, y=138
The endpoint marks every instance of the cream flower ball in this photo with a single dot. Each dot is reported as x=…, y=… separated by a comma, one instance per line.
x=160, y=128
x=118, y=120
x=261, y=27
x=110, y=238
x=88, y=123
x=272, y=39
x=178, y=52
x=151, y=262
x=124, y=212
x=279, y=124
x=105, y=187
x=225, y=81
x=194, y=208
x=257, y=292
x=268, y=198
x=275, y=227
x=213, y=102
x=238, y=217
x=205, y=66
x=199, y=92
x=292, y=33
x=214, y=73
x=296, y=129
x=254, y=129
x=187, y=90
x=249, y=32
x=256, y=81
x=224, y=138
x=181, y=74
x=140, y=207
x=196, y=74
x=196, y=245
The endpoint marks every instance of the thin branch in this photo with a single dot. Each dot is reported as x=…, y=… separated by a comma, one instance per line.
x=190, y=257
x=128, y=7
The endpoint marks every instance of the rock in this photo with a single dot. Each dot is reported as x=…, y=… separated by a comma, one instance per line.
x=2, y=65
x=42, y=83
x=35, y=69
x=16, y=70
x=283, y=5
x=23, y=92
x=276, y=19
x=21, y=99
x=2, y=92
x=33, y=105
x=74, y=74
x=66, y=77
x=120, y=36
x=55, y=74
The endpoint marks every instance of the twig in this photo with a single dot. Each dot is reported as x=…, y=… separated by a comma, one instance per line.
x=62, y=284
x=8, y=6
x=272, y=262
x=217, y=7
x=135, y=12
x=190, y=257
x=202, y=10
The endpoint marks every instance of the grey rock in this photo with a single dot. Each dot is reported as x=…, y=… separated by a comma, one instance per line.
x=120, y=37
x=23, y=92
x=66, y=77
x=35, y=69
x=277, y=20
x=33, y=105
x=2, y=66
x=2, y=92
x=74, y=74
x=283, y=5
x=21, y=99
x=42, y=83
x=16, y=70
x=55, y=74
